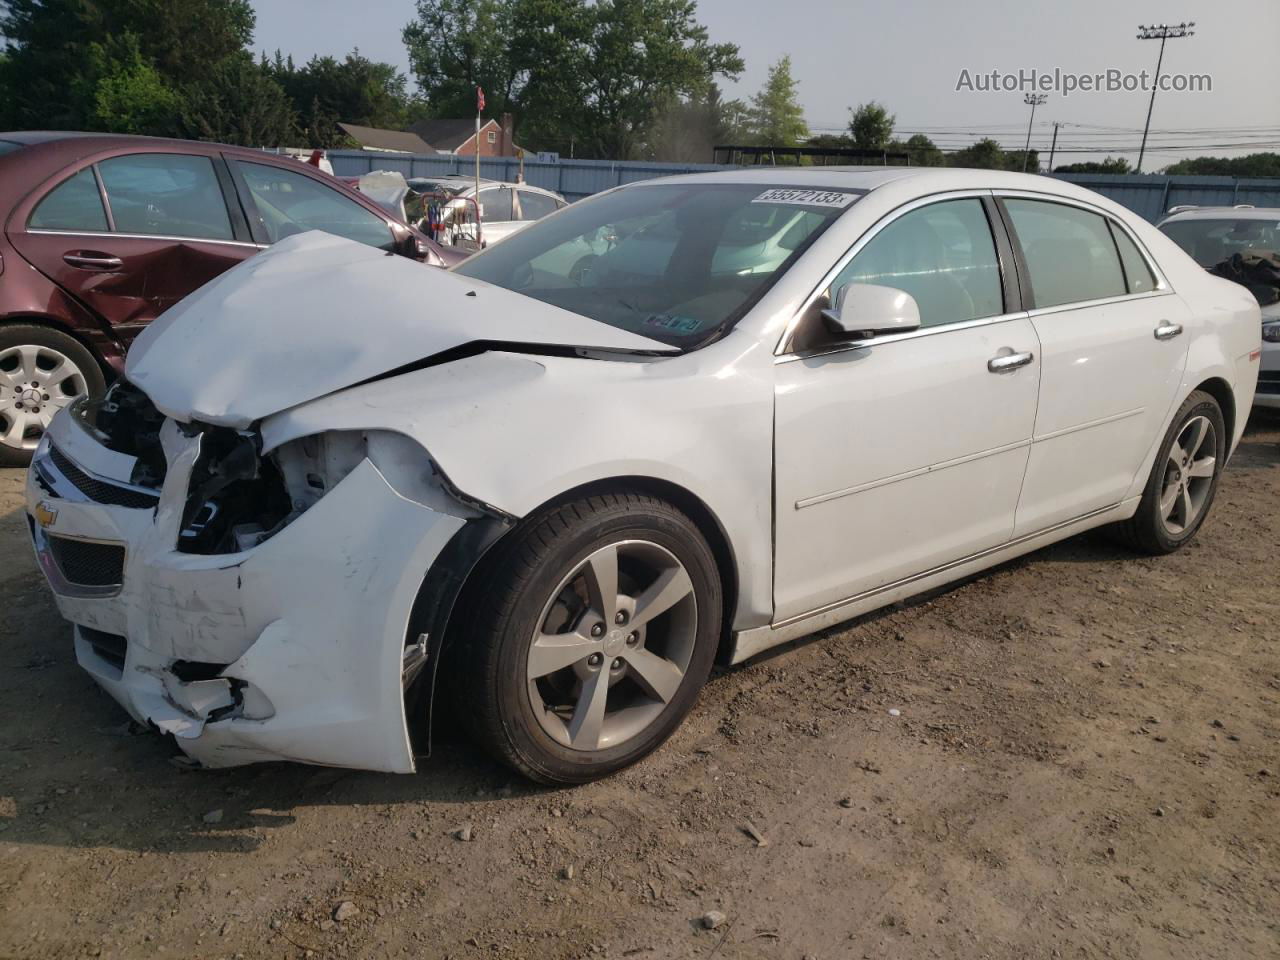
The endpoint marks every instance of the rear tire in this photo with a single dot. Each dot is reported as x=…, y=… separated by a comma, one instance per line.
x=41, y=371
x=589, y=634
x=1183, y=480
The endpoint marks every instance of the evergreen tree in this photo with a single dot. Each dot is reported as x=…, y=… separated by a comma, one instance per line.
x=775, y=117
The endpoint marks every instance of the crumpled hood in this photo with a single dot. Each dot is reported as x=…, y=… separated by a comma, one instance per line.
x=317, y=313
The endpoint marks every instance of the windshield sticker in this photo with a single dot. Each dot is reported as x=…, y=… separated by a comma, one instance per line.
x=806, y=198
x=672, y=322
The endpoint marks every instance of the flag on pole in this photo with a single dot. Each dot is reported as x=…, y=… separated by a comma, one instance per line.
x=479, y=99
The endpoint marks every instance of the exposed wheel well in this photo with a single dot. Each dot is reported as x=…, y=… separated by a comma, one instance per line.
x=703, y=518
x=1220, y=390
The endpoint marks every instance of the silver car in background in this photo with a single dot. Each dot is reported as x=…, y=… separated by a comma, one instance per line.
x=1243, y=244
x=502, y=208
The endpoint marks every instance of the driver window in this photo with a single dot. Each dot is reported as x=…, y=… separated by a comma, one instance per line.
x=942, y=254
x=166, y=194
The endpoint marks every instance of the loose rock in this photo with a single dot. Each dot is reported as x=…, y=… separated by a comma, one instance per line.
x=213, y=816
x=712, y=919
x=463, y=834
x=345, y=911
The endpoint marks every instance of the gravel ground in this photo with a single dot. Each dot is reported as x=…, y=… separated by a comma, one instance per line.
x=1085, y=763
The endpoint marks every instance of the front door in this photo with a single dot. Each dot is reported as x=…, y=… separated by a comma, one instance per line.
x=1112, y=357
x=899, y=454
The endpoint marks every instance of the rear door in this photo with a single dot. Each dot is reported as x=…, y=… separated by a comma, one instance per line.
x=130, y=235
x=1112, y=354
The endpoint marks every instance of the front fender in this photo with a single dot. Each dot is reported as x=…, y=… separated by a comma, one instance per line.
x=514, y=431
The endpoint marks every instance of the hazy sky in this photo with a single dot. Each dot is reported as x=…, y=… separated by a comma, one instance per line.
x=909, y=55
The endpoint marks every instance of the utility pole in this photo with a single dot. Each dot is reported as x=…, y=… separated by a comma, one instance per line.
x=1053, y=146
x=1032, y=100
x=1163, y=33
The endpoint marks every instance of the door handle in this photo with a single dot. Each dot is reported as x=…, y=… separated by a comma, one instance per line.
x=92, y=260
x=1167, y=331
x=1010, y=362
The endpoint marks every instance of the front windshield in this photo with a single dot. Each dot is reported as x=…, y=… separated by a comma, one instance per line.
x=676, y=263
x=1212, y=241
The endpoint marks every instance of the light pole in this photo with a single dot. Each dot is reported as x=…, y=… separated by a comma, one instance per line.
x=1032, y=100
x=1163, y=33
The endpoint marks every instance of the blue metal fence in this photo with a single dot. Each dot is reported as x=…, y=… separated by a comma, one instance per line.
x=1148, y=196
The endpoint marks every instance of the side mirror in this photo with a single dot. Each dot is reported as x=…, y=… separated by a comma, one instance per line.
x=864, y=310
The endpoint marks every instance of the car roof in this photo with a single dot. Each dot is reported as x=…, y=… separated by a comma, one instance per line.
x=34, y=137
x=918, y=181
x=1224, y=213
x=465, y=182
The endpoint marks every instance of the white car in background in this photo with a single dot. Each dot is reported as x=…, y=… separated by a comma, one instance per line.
x=1214, y=237
x=572, y=494
x=503, y=208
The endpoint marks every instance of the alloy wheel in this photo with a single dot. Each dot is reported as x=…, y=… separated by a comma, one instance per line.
x=612, y=645
x=1188, y=475
x=35, y=383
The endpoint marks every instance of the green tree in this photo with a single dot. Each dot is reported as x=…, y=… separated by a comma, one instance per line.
x=871, y=126
x=1109, y=165
x=986, y=154
x=594, y=77
x=60, y=51
x=455, y=46
x=1252, y=165
x=689, y=130
x=130, y=96
x=327, y=90
x=639, y=55
x=775, y=116
x=240, y=104
x=922, y=151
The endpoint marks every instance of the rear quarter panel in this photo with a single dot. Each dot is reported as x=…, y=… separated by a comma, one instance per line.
x=1224, y=329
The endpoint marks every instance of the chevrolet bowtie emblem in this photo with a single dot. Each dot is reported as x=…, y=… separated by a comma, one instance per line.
x=45, y=515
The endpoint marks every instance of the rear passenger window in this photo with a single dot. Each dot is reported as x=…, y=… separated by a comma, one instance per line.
x=1069, y=252
x=535, y=206
x=1137, y=274
x=495, y=205
x=942, y=255
x=74, y=204
x=166, y=194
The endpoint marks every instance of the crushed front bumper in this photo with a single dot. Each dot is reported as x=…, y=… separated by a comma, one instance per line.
x=292, y=650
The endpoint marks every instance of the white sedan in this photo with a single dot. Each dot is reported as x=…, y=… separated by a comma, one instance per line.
x=335, y=487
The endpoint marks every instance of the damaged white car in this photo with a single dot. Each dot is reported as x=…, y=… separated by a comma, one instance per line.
x=331, y=478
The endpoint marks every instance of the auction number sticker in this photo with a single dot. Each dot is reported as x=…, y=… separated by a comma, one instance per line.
x=807, y=198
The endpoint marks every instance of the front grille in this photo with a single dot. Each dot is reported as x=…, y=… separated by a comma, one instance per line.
x=85, y=563
x=100, y=491
x=1269, y=382
x=109, y=646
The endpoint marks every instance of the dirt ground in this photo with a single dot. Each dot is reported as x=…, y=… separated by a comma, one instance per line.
x=1085, y=763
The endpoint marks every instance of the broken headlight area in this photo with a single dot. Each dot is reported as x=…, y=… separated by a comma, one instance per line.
x=235, y=499
x=126, y=421
x=240, y=497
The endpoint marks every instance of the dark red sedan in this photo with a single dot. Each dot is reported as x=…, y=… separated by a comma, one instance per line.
x=101, y=234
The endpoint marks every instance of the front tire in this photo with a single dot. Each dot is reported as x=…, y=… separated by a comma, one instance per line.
x=41, y=371
x=591, y=631
x=1183, y=480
